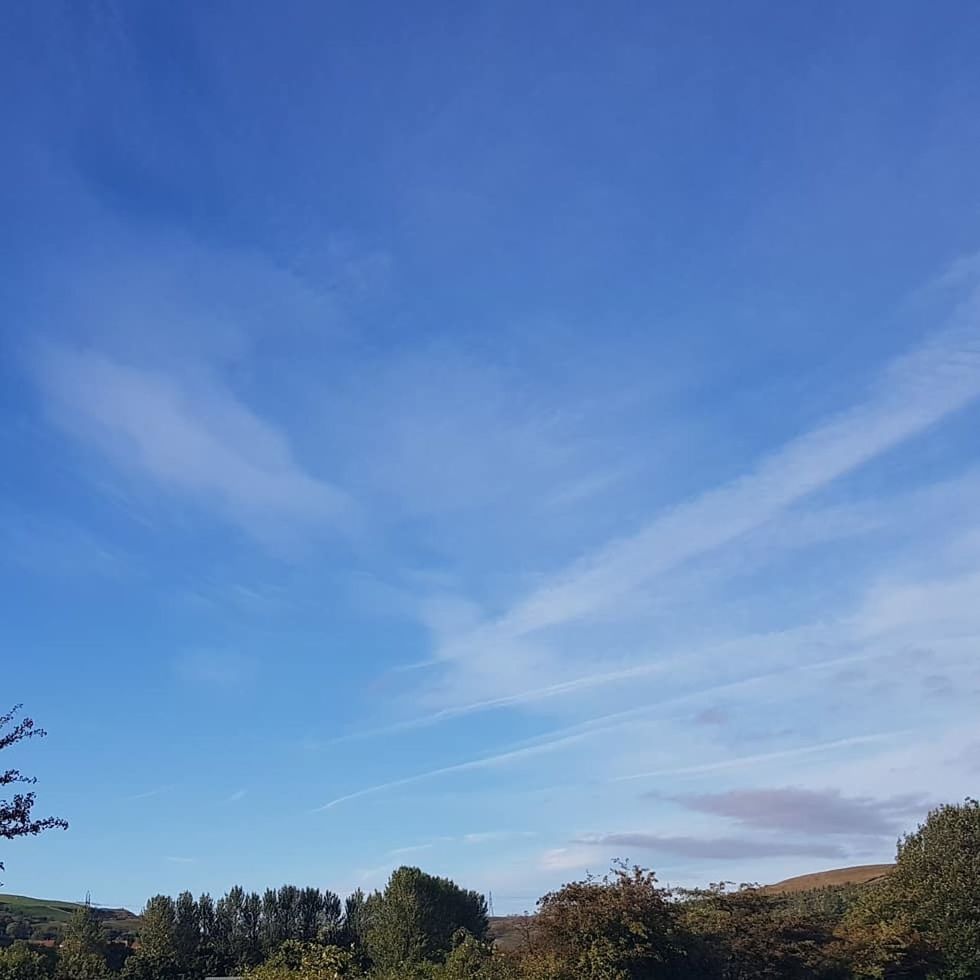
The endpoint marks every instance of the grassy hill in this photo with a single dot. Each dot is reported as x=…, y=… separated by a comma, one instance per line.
x=53, y=914
x=37, y=909
x=858, y=875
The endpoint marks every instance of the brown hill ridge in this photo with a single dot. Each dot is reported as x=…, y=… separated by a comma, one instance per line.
x=857, y=875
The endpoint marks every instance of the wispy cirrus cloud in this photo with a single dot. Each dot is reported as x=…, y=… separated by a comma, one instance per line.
x=215, y=668
x=604, y=725
x=475, y=839
x=759, y=758
x=914, y=393
x=56, y=547
x=494, y=836
x=193, y=439
x=525, y=654
x=411, y=849
x=150, y=793
x=470, y=765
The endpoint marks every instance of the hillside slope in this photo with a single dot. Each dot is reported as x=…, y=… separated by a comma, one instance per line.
x=857, y=875
x=52, y=914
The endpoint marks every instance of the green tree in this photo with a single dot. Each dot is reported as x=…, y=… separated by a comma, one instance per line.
x=287, y=912
x=231, y=925
x=20, y=962
x=187, y=935
x=275, y=921
x=18, y=929
x=249, y=942
x=309, y=918
x=239, y=924
x=355, y=921
x=211, y=959
x=16, y=813
x=747, y=934
x=475, y=959
x=296, y=960
x=331, y=926
x=937, y=884
x=879, y=940
x=414, y=919
x=156, y=958
x=619, y=927
x=82, y=952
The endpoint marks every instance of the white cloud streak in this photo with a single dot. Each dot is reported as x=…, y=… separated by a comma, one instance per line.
x=219, y=669
x=192, y=439
x=509, y=656
x=727, y=651
x=411, y=849
x=747, y=761
x=917, y=391
x=149, y=794
x=617, y=721
x=484, y=762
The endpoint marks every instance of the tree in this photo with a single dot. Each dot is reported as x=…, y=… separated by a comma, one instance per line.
x=937, y=883
x=295, y=960
x=18, y=929
x=211, y=960
x=619, y=927
x=747, y=934
x=275, y=920
x=475, y=959
x=82, y=952
x=16, y=816
x=156, y=958
x=250, y=931
x=355, y=922
x=228, y=926
x=416, y=916
x=879, y=940
x=331, y=925
x=20, y=962
x=287, y=912
x=309, y=914
x=187, y=934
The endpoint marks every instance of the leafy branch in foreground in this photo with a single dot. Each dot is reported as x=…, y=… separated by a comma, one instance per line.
x=16, y=817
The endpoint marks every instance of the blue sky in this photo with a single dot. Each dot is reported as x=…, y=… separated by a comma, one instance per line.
x=492, y=437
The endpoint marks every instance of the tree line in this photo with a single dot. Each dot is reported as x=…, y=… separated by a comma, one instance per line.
x=413, y=919
x=919, y=922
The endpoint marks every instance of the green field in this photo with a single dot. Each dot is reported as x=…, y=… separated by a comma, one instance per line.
x=55, y=913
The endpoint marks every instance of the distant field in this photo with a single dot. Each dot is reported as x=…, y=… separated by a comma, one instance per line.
x=857, y=875
x=509, y=930
x=44, y=911
x=37, y=909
